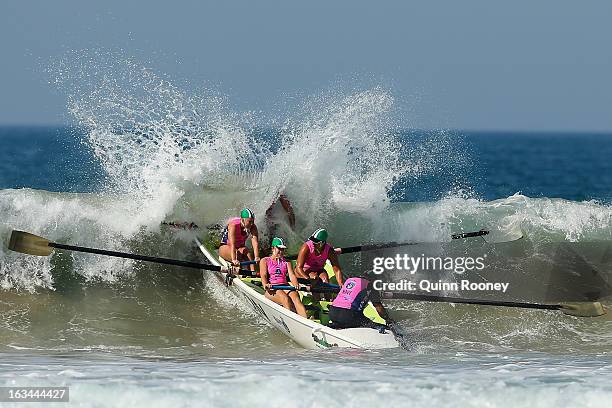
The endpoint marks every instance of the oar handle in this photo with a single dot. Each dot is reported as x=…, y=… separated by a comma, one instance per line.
x=317, y=289
x=306, y=281
x=288, y=287
x=246, y=263
x=284, y=287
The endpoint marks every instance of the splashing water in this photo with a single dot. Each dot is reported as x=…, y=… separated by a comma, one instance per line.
x=170, y=154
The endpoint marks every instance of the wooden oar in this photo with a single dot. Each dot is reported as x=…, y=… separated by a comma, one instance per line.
x=317, y=289
x=372, y=247
x=31, y=244
x=462, y=235
x=581, y=309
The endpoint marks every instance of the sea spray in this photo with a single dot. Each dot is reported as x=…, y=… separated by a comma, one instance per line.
x=170, y=154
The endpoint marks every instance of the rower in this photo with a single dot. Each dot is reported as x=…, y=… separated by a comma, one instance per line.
x=274, y=270
x=233, y=240
x=346, y=311
x=312, y=257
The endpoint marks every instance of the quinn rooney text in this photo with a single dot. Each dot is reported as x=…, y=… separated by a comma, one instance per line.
x=429, y=286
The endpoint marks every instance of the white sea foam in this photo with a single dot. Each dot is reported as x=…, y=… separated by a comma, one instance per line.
x=172, y=154
x=358, y=379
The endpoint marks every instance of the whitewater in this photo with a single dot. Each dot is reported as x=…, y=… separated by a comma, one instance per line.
x=125, y=333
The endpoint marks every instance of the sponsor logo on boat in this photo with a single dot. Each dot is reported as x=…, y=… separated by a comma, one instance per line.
x=258, y=308
x=321, y=342
x=282, y=323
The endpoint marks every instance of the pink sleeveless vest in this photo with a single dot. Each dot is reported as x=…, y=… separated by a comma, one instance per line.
x=240, y=235
x=277, y=271
x=314, y=262
x=352, y=295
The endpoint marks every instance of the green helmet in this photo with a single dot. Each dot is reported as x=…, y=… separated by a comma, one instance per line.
x=319, y=235
x=246, y=213
x=278, y=242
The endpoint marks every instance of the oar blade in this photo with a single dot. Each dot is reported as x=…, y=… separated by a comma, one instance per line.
x=30, y=244
x=583, y=309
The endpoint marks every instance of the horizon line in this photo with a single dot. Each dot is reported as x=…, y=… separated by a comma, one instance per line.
x=458, y=130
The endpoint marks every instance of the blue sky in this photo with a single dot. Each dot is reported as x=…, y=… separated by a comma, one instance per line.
x=518, y=65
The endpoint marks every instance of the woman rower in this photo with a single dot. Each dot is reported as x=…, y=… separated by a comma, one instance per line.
x=274, y=270
x=312, y=257
x=346, y=311
x=233, y=241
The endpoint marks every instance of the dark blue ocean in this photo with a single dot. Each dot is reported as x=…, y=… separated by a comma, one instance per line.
x=485, y=165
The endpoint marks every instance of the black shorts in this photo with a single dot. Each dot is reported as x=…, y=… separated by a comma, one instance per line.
x=347, y=318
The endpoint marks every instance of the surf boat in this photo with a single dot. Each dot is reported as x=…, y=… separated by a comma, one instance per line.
x=312, y=333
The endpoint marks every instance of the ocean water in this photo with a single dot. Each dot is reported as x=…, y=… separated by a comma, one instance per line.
x=492, y=165
x=141, y=151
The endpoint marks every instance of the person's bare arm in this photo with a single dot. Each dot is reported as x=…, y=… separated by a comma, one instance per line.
x=382, y=312
x=333, y=258
x=299, y=264
x=255, y=241
x=263, y=271
x=231, y=239
x=292, y=277
x=289, y=209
